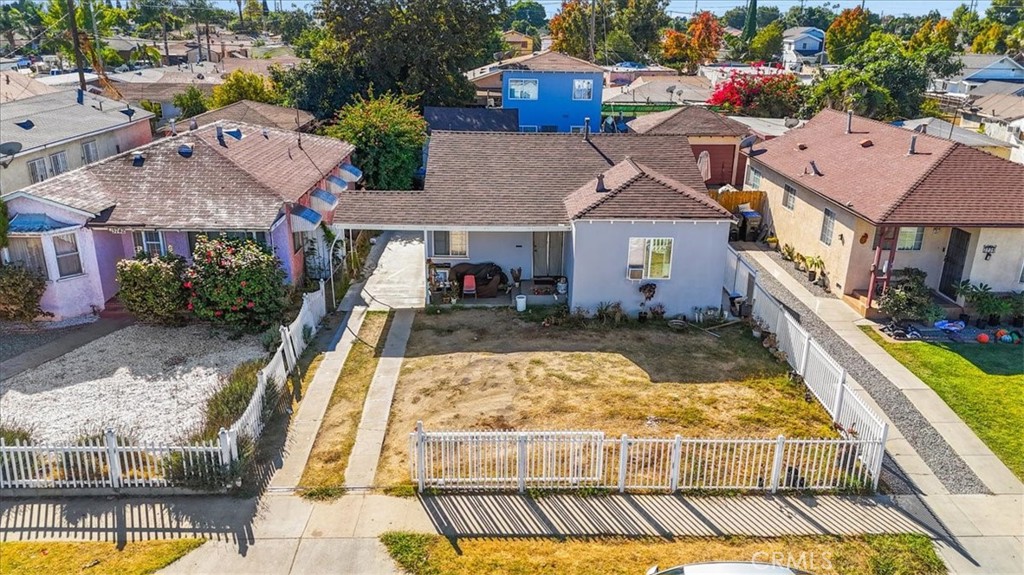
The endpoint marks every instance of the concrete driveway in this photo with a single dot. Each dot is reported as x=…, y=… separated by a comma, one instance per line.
x=399, y=280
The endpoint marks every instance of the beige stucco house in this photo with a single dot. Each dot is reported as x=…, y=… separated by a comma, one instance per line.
x=869, y=198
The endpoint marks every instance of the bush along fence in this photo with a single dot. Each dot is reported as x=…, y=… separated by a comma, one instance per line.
x=108, y=463
x=521, y=460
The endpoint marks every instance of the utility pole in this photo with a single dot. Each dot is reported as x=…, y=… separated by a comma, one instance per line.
x=695, y=7
x=163, y=24
x=593, y=26
x=95, y=34
x=76, y=43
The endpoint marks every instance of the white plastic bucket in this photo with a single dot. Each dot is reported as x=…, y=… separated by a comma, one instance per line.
x=520, y=303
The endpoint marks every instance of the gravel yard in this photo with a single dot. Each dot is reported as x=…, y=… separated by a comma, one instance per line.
x=149, y=383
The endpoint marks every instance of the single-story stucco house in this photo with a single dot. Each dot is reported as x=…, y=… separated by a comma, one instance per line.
x=275, y=186
x=869, y=198
x=606, y=212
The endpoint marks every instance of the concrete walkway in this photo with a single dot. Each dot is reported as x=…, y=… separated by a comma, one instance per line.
x=988, y=529
x=399, y=280
x=78, y=337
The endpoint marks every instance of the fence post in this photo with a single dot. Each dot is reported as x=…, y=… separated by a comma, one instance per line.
x=807, y=354
x=521, y=462
x=780, y=447
x=323, y=303
x=677, y=451
x=839, y=395
x=291, y=362
x=623, y=462
x=113, y=462
x=421, y=452
x=233, y=437
x=224, y=443
x=877, y=464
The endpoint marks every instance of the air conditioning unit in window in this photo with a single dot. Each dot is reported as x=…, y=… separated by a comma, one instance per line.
x=635, y=273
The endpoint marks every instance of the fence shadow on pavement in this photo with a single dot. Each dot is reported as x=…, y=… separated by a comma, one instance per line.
x=664, y=516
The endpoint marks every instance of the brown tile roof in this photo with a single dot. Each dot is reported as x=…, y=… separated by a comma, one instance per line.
x=634, y=191
x=239, y=185
x=157, y=91
x=513, y=179
x=551, y=61
x=942, y=184
x=689, y=121
x=258, y=113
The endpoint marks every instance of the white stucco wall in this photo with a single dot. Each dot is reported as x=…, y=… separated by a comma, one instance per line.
x=506, y=249
x=600, y=257
x=1003, y=271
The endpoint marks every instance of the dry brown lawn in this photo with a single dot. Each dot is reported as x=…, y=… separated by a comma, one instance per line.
x=324, y=475
x=487, y=369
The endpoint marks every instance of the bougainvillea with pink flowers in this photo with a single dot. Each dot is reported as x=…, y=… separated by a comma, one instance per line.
x=235, y=282
x=766, y=94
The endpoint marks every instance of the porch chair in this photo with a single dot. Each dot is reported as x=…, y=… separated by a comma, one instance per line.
x=469, y=285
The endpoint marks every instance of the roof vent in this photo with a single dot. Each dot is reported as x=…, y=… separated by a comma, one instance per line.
x=235, y=133
x=866, y=143
x=801, y=146
x=138, y=159
x=600, y=184
x=849, y=122
x=266, y=133
x=586, y=129
x=26, y=124
x=913, y=146
x=174, y=130
x=193, y=124
x=812, y=169
x=220, y=136
x=185, y=150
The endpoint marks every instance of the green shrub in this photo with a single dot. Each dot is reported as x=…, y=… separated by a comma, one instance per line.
x=271, y=339
x=151, y=288
x=230, y=401
x=21, y=289
x=908, y=298
x=235, y=282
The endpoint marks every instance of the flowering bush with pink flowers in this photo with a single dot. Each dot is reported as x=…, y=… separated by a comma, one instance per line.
x=235, y=282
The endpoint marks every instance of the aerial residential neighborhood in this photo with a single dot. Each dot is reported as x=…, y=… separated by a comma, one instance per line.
x=568, y=287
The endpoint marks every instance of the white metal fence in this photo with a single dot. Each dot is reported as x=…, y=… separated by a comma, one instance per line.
x=109, y=462
x=576, y=459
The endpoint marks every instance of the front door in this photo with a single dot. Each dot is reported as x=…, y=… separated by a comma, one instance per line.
x=956, y=257
x=547, y=254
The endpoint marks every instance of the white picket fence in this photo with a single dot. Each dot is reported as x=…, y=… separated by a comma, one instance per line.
x=507, y=460
x=109, y=462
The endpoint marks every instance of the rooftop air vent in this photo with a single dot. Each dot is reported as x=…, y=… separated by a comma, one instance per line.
x=913, y=146
x=866, y=143
x=812, y=169
x=600, y=184
x=25, y=124
x=138, y=159
x=185, y=150
x=801, y=146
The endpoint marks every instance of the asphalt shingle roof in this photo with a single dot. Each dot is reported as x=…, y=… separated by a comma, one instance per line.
x=513, y=179
x=240, y=184
x=257, y=113
x=472, y=119
x=871, y=173
x=688, y=121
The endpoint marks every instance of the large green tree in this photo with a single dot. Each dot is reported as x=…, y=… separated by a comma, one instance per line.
x=737, y=17
x=889, y=64
x=642, y=22
x=847, y=89
x=243, y=85
x=1006, y=12
x=324, y=84
x=767, y=44
x=750, y=24
x=967, y=23
x=814, y=16
x=528, y=11
x=191, y=102
x=388, y=134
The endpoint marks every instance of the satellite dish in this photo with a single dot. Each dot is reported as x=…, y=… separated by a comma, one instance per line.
x=748, y=142
x=671, y=89
x=791, y=122
x=10, y=148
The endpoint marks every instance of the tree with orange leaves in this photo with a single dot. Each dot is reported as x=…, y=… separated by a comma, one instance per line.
x=698, y=44
x=846, y=33
x=569, y=29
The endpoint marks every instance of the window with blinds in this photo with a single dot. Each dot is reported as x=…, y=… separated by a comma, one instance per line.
x=828, y=224
x=37, y=170
x=451, y=244
x=151, y=243
x=59, y=163
x=90, y=153
x=27, y=252
x=68, y=261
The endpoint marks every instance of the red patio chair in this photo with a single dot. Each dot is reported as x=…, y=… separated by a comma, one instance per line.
x=469, y=285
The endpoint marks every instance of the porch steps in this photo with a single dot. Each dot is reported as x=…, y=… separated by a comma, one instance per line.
x=113, y=309
x=858, y=300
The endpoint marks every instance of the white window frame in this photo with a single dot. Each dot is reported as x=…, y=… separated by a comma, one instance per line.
x=90, y=152
x=576, y=83
x=519, y=95
x=828, y=227
x=648, y=248
x=576, y=129
x=60, y=158
x=77, y=254
x=529, y=129
x=788, y=197
x=450, y=254
x=914, y=243
x=754, y=178
x=146, y=243
x=43, y=269
x=37, y=171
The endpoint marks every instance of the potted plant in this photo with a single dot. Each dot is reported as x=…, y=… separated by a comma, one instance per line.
x=814, y=265
x=798, y=261
x=998, y=307
x=1016, y=300
x=758, y=327
x=657, y=311
x=981, y=299
x=772, y=241
x=964, y=289
x=788, y=251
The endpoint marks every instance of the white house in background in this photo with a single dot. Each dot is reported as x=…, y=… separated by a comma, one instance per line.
x=979, y=69
x=803, y=45
x=1000, y=116
x=46, y=135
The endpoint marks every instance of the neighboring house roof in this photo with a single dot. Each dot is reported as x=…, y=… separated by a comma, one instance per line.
x=240, y=184
x=974, y=64
x=260, y=66
x=769, y=127
x=258, y=113
x=797, y=31
x=1002, y=107
x=944, y=129
x=127, y=43
x=471, y=119
x=15, y=86
x=688, y=121
x=515, y=36
x=660, y=90
x=161, y=84
x=997, y=87
x=56, y=117
x=546, y=61
x=500, y=179
x=629, y=190
x=870, y=172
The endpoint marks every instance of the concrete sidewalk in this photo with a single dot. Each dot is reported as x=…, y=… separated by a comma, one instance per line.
x=988, y=529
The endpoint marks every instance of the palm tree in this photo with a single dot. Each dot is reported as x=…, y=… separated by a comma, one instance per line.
x=10, y=24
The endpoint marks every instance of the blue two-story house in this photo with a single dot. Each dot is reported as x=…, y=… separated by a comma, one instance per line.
x=552, y=92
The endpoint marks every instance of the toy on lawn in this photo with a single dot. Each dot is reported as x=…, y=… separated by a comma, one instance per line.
x=1006, y=338
x=982, y=338
x=1000, y=333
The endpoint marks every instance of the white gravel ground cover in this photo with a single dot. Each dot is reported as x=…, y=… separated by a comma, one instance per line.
x=149, y=383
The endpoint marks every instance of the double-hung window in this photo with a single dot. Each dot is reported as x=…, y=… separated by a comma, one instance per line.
x=789, y=197
x=59, y=163
x=299, y=240
x=151, y=243
x=522, y=89
x=754, y=179
x=582, y=89
x=68, y=261
x=828, y=224
x=90, y=153
x=37, y=170
x=910, y=239
x=451, y=244
x=27, y=252
x=649, y=259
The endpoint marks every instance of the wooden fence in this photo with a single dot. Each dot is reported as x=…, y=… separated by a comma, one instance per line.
x=733, y=200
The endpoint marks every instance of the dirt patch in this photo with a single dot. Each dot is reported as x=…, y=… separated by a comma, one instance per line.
x=488, y=369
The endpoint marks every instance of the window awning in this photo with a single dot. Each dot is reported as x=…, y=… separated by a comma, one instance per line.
x=304, y=219
x=323, y=201
x=350, y=173
x=337, y=184
x=35, y=223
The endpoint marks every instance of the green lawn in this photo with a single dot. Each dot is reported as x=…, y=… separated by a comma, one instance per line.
x=983, y=384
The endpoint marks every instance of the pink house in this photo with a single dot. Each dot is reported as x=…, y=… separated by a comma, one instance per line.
x=275, y=186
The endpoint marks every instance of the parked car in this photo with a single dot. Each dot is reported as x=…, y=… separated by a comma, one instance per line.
x=718, y=568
